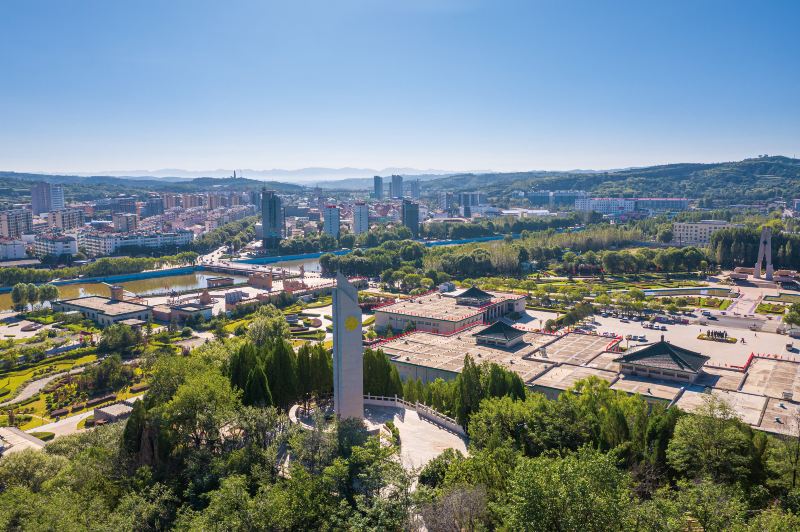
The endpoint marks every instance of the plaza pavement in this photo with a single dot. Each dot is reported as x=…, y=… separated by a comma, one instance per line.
x=420, y=440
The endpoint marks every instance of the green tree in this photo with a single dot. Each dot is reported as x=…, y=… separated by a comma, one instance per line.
x=120, y=338
x=468, y=392
x=582, y=491
x=712, y=443
x=256, y=389
x=19, y=295
x=200, y=408
x=32, y=293
x=380, y=376
x=282, y=374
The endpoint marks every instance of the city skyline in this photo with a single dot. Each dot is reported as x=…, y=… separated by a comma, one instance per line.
x=464, y=86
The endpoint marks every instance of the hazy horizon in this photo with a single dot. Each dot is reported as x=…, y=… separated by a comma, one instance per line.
x=345, y=171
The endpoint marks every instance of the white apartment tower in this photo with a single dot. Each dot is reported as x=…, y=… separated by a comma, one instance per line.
x=360, y=218
x=331, y=220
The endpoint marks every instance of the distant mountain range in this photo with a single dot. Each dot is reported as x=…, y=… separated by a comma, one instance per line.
x=757, y=178
x=124, y=184
x=312, y=176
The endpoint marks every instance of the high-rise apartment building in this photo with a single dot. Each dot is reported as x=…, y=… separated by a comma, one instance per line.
x=360, y=218
x=378, y=187
x=171, y=200
x=125, y=222
x=124, y=204
x=447, y=201
x=153, y=206
x=414, y=189
x=471, y=199
x=397, y=186
x=12, y=249
x=56, y=197
x=15, y=223
x=331, y=220
x=272, y=219
x=410, y=216
x=66, y=219
x=40, y=197
x=46, y=197
x=192, y=200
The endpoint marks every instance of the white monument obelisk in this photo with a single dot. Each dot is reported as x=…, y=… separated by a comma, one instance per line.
x=348, y=351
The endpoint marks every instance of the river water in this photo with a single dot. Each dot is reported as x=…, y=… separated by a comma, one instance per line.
x=157, y=285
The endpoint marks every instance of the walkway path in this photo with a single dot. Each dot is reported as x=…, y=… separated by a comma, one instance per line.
x=34, y=387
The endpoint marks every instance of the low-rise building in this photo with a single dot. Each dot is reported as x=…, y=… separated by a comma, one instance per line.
x=444, y=313
x=610, y=206
x=104, y=310
x=112, y=413
x=100, y=243
x=686, y=233
x=663, y=360
x=55, y=245
x=12, y=249
x=662, y=204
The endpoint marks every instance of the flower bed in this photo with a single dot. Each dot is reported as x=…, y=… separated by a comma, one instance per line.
x=728, y=340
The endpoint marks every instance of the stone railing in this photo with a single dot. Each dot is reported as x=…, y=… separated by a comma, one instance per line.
x=423, y=411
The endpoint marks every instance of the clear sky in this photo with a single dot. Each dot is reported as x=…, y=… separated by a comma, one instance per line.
x=455, y=85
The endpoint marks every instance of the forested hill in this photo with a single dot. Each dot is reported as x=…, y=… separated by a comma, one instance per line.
x=15, y=186
x=750, y=179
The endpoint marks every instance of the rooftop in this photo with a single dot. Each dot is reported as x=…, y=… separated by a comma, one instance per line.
x=117, y=409
x=105, y=305
x=475, y=293
x=664, y=355
x=133, y=322
x=447, y=352
x=747, y=406
x=772, y=377
x=192, y=307
x=438, y=306
x=500, y=330
x=648, y=388
x=565, y=375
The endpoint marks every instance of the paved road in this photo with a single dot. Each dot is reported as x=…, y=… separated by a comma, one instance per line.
x=738, y=322
x=65, y=426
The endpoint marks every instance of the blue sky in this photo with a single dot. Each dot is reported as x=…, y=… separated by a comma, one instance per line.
x=457, y=85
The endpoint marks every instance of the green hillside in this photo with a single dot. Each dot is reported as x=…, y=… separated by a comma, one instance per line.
x=750, y=179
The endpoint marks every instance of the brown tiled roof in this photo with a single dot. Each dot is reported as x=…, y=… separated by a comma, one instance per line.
x=664, y=355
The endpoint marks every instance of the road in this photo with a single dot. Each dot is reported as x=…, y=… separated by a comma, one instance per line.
x=65, y=426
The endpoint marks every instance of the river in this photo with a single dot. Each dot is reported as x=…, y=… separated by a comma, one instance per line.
x=156, y=285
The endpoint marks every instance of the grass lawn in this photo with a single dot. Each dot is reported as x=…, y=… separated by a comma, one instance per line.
x=784, y=298
x=770, y=308
x=232, y=326
x=44, y=436
x=14, y=379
